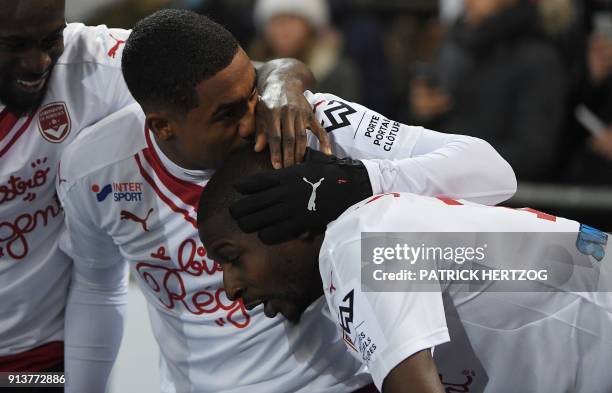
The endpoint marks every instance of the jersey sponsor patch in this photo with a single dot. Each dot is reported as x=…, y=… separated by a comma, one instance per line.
x=360, y=331
x=337, y=113
x=122, y=192
x=54, y=122
x=382, y=132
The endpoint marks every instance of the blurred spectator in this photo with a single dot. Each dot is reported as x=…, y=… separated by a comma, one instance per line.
x=363, y=25
x=300, y=29
x=126, y=13
x=412, y=44
x=592, y=163
x=498, y=78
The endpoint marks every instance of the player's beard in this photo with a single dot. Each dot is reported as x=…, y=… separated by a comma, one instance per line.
x=17, y=101
x=302, y=291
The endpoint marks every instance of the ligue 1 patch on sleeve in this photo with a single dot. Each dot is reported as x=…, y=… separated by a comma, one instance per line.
x=360, y=331
x=592, y=242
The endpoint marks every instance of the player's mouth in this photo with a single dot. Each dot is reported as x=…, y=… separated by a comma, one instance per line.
x=32, y=86
x=270, y=307
x=252, y=304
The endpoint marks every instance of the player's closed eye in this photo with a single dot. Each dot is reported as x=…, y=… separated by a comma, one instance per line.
x=52, y=41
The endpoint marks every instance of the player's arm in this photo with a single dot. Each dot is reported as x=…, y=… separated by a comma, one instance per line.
x=392, y=333
x=97, y=298
x=415, y=374
x=392, y=157
x=414, y=159
x=283, y=113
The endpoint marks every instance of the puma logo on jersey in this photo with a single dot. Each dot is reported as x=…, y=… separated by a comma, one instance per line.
x=313, y=196
x=113, y=51
x=126, y=215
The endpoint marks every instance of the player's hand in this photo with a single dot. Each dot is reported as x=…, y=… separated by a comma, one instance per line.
x=282, y=204
x=282, y=116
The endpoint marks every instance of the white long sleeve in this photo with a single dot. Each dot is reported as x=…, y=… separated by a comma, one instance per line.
x=96, y=302
x=413, y=159
x=455, y=166
x=94, y=326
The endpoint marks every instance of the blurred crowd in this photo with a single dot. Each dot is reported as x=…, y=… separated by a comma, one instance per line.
x=532, y=77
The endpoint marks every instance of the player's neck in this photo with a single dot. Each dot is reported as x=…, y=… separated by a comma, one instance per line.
x=172, y=161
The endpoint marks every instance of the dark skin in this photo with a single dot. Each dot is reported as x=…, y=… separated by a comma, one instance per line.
x=31, y=41
x=230, y=111
x=285, y=278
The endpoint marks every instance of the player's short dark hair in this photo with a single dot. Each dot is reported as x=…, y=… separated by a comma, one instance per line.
x=219, y=193
x=169, y=52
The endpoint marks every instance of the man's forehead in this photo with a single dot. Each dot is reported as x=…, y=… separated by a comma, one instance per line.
x=216, y=229
x=233, y=82
x=27, y=18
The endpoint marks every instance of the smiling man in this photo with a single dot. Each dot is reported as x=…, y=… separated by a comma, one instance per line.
x=56, y=79
x=525, y=341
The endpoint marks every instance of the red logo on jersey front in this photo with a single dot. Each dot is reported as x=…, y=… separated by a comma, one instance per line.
x=54, y=122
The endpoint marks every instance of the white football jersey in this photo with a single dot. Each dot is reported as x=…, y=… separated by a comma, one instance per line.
x=85, y=86
x=522, y=341
x=126, y=201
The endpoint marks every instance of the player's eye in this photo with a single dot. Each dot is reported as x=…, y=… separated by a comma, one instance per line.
x=228, y=255
x=51, y=41
x=13, y=45
x=233, y=259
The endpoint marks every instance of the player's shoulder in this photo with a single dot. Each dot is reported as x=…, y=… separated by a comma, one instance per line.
x=96, y=45
x=388, y=212
x=109, y=141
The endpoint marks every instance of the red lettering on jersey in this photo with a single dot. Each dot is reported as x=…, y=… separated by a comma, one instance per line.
x=168, y=283
x=161, y=254
x=113, y=51
x=450, y=201
x=13, y=233
x=16, y=186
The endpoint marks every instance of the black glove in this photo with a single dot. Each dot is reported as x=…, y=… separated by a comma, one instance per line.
x=284, y=203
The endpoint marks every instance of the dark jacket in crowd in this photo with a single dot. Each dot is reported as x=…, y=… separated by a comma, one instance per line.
x=507, y=83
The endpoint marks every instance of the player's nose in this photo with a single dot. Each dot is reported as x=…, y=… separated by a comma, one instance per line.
x=246, y=125
x=233, y=287
x=36, y=61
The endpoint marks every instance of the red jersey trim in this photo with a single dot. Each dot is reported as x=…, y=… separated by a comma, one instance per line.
x=163, y=197
x=187, y=192
x=7, y=124
x=38, y=359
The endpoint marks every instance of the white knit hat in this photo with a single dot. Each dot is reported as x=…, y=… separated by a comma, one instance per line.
x=316, y=12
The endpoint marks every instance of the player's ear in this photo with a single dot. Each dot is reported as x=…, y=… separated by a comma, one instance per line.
x=160, y=125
